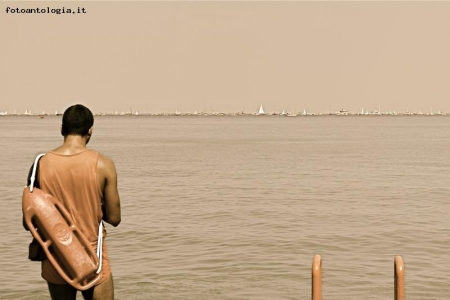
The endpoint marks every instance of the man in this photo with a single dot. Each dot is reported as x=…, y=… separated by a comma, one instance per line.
x=86, y=183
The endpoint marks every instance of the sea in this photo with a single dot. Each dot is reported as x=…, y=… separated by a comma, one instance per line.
x=236, y=207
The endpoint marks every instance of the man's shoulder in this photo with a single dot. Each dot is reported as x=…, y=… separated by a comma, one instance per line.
x=104, y=158
x=105, y=163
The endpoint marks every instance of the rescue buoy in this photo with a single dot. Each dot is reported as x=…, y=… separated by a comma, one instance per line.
x=68, y=249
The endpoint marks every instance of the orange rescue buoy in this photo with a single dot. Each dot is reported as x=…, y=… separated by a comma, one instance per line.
x=68, y=249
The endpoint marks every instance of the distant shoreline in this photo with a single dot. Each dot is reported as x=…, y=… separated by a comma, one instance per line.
x=233, y=114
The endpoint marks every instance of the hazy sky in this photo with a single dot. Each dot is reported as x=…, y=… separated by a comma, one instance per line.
x=226, y=56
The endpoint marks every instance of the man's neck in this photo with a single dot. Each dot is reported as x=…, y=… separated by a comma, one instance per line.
x=73, y=144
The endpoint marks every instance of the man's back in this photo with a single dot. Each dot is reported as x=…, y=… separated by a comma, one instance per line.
x=72, y=179
x=106, y=178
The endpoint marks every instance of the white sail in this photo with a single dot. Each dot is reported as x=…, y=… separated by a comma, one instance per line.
x=261, y=110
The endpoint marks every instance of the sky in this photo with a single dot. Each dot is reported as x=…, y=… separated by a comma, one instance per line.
x=229, y=56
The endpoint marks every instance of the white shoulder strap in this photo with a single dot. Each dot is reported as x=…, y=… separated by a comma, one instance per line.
x=33, y=175
x=100, y=246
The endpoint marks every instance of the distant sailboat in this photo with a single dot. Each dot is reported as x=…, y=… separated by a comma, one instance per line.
x=261, y=110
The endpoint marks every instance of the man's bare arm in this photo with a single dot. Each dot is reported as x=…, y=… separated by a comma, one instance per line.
x=111, y=199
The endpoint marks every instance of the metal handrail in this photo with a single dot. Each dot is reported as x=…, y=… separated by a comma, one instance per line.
x=399, y=278
x=316, y=280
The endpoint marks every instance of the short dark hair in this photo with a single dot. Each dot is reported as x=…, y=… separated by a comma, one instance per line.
x=77, y=120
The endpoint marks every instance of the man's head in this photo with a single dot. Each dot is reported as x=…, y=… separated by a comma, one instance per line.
x=77, y=120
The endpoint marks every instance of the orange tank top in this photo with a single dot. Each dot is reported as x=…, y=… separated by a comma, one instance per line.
x=72, y=179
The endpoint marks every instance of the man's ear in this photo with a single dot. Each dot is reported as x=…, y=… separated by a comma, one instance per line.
x=90, y=131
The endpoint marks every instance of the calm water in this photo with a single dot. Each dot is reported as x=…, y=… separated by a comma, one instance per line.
x=236, y=207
